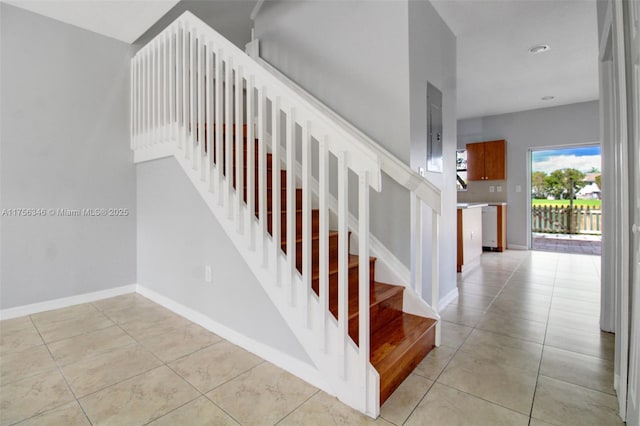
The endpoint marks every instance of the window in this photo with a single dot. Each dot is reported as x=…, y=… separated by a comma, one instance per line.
x=461, y=169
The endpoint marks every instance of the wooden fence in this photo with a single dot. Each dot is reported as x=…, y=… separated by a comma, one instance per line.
x=566, y=220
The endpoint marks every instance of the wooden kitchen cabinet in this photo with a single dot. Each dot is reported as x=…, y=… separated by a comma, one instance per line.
x=486, y=160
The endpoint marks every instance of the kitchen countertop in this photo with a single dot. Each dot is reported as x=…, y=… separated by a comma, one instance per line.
x=471, y=205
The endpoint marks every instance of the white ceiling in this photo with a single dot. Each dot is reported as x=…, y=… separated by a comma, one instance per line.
x=497, y=74
x=122, y=20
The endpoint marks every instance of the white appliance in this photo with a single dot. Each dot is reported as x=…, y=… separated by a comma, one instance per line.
x=490, y=227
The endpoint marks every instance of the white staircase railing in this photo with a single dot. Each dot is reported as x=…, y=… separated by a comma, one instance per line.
x=192, y=91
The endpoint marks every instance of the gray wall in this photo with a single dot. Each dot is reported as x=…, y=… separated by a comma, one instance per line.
x=432, y=58
x=231, y=18
x=178, y=236
x=353, y=56
x=547, y=127
x=369, y=61
x=64, y=144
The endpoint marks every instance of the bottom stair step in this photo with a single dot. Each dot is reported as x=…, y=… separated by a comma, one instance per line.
x=398, y=347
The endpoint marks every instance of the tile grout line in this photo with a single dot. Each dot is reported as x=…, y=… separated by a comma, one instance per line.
x=66, y=381
x=546, y=328
x=458, y=349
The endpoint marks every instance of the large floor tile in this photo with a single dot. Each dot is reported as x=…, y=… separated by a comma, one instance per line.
x=522, y=310
x=323, y=409
x=149, y=313
x=141, y=328
x=453, y=335
x=179, y=341
x=262, y=395
x=473, y=301
x=594, y=343
x=31, y=396
x=589, y=323
x=95, y=373
x=447, y=406
x=30, y=362
x=512, y=326
x=563, y=403
x=132, y=300
x=465, y=287
x=74, y=325
x=200, y=412
x=435, y=362
x=86, y=345
x=404, y=400
x=17, y=335
x=139, y=400
x=505, y=350
x=68, y=415
x=583, y=370
x=215, y=365
x=68, y=322
x=575, y=306
x=462, y=315
x=486, y=378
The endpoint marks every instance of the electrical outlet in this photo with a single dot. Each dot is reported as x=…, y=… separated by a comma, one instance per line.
x=499, y=188
x=207, y=274
x=492, y=188
x=421, y=171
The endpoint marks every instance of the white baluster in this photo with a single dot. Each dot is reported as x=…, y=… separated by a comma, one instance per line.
x=251, y=164
x=165, y=88
x=132, y=101
x=417, y=240
x=201, y=119
x=185, y=89
x=435, y=276
x=239, y=141
x=179, y=85
x=148, y=97
x=262, y=173
x=228, y=123
x=307, y=242
x=193, y=100
x=218, y=126
x=276, y=186
x=209, y=100
x=291, y=204
x=343, y=260
x=157, y=91
x=323, y=191
x=172, y=85
x=363, y=281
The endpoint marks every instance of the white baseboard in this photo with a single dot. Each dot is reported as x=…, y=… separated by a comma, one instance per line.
x=34, y=308
x=448, y=298
x=288, y=363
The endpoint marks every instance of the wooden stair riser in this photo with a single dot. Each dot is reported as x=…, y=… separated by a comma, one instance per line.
x=390, y=381
x=380, y=314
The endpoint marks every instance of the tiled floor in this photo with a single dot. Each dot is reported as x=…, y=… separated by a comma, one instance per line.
x=521, y=345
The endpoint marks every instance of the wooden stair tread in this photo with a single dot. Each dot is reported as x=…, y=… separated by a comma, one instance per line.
x=314, y=236
x=393, y=341
x=333, y=266
x=379, y=292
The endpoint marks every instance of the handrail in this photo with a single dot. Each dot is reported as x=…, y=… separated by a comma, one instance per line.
x=430, y=194
x=365, y=153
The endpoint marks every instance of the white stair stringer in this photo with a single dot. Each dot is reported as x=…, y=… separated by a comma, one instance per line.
x=328, y=359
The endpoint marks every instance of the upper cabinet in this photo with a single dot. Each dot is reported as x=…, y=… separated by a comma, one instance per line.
x=486, y=160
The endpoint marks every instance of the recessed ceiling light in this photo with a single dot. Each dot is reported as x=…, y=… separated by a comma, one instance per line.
x=547, y=98
x=539, y=48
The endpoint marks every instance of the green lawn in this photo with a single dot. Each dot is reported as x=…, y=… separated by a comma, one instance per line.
x=592, y=203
